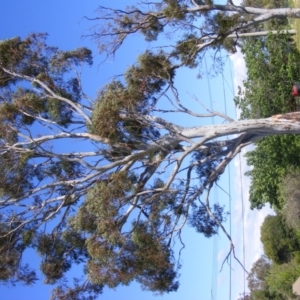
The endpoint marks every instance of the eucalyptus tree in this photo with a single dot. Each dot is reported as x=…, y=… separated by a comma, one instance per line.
x=117, y=203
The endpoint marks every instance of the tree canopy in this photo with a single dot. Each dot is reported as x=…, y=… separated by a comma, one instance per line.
x=272, y=159
x=119, y=201
x=257, y=280
x=268, y=280
x=272, y=64
x=272, y=68
x=280, y=242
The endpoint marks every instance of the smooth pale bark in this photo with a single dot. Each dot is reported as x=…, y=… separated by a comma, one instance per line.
x=256, y=128
x=271, y=12
x=246, y=34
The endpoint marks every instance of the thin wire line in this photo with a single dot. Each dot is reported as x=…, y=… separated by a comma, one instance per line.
x=215, y=244
x=229, y=186
x=242, y=197
x=230, y=214
x=209, y=89
x=243, y=217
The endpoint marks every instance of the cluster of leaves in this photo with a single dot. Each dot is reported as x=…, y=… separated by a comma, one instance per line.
x=221, y=24
x=186, y=50
x=82, y=291
x=206, y=161
x=203, y=222
x=16, y=174
x=59, y=252
x=117, y=257
x=272, y=276
x=13, y=242
x=172, y=10
x=200, y=218
x=118, y=102
x=280, y=242
x=143, y=258
x=32, y=58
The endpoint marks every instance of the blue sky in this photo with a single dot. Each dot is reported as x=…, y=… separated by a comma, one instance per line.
x=201, y=259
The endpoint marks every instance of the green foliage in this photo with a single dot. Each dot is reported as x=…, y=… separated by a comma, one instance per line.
x=174, y=9
x=272, y=65
x=279, y=241
x=28, y=101
x=13, y=242
x=269, y=280
x=257, y=281
x=113, y=204
x=258, y=274
x=118, y=258
x=103, y=200
x=32, y=57
x=143, y=82
x=62, y=60
x=205, y=162
x=203, y=222
x=151, y=31
x=58, y=254
x=16, y=174
x=12, y=53
x=225, y=22
x=143, y=258
x=291, y=194
x=186, y=50
x=221, y=24
x=271, y=160
x=82, y=291
x=282, y=277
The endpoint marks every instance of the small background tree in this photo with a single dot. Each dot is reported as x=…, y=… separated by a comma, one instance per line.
x=291, y=194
